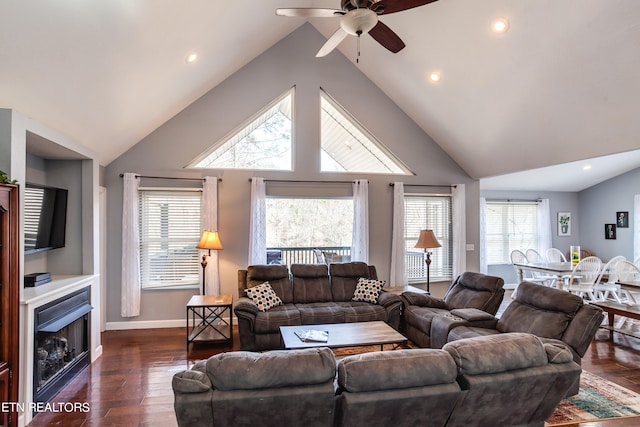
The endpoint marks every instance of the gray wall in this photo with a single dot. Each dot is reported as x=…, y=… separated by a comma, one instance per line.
x=290, y=62
x=65, y=174
x=591, y=209
x=558, y=202
x=598, y=206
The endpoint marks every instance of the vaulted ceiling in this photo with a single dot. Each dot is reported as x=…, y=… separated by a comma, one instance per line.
x=559, y=86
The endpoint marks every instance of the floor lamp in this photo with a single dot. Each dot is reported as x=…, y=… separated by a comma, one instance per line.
x=427, y=240
x=210, y=241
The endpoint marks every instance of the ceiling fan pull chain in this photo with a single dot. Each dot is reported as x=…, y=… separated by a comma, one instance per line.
x=358, y=48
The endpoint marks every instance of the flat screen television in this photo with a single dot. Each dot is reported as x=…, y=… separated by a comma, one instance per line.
x=45, y=217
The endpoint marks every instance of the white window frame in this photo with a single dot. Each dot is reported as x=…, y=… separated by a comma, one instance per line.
x=282, y=105
x=507, y=228
x=180, y=247
x=441, y=223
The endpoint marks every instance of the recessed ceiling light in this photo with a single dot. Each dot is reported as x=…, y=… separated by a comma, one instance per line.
x=500, y=25
x=191, y=58
x=435, y=76
x=586, y=167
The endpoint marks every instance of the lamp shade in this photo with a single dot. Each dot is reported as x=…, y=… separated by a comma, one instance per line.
x=209, y=240
x=427, y=240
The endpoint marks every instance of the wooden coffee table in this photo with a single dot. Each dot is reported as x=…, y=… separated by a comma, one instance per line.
x=345, y=335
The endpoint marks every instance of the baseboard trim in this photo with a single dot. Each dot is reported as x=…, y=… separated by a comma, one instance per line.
x=150, y=324
x=145, y=324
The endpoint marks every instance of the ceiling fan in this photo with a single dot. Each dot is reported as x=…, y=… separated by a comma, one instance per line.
x=358, y=17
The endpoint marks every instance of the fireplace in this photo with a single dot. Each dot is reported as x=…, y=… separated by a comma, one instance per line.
x=61, y=343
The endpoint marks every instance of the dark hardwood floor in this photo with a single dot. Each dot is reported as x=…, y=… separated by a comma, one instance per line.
x=130, y=385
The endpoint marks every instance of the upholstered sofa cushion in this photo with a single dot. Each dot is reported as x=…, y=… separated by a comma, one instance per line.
x=271, y=320
x=558, y=353
x=191, y=382
x=243, y=370
x=310, y=283
x=540, y=311
x=344, y=278
x=355, y=311
x=486, y=355
x=320, y=312
x=388, y=370
x=475, y=290
x=276, y=275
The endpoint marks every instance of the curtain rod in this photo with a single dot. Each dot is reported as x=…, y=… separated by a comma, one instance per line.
x=169, y=177
x=303, y=181
x=514, y=200
x=391, y=184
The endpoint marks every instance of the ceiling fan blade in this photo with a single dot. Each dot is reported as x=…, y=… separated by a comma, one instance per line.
x=333, y=42
x=386, y=37
x=309, y=12
x=392, y=6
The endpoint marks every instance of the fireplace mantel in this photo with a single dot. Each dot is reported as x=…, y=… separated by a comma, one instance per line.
x=33, y=298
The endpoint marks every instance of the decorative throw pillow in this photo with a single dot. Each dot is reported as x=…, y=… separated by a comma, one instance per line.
x=368, y=290
x=264, y=296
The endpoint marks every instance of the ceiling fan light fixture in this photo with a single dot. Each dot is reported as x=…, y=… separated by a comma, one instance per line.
x=359, y=21
x=435, y=76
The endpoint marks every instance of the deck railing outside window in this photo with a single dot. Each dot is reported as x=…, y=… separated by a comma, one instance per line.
x=416, y=267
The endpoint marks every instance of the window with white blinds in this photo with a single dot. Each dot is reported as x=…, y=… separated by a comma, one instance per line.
x=428, y=212
x=509, y=226
x=169, y=233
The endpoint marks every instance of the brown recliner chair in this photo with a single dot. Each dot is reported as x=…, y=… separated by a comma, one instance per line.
x=470, y=290
x=554, y=315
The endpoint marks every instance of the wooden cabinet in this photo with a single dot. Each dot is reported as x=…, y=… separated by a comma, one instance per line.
x=9, y=300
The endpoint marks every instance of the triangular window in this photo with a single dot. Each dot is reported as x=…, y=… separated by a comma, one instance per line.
x=264, y=142
x=348, y=147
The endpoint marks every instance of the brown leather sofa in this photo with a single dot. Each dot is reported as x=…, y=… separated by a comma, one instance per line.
x=311, y=294
x=470, y=290
x=499, y=380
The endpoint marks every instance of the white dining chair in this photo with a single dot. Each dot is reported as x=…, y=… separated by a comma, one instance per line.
x=628, y=271
x=555, y=255
x=519, y=257
x=583, y=278
x=545, y=279
x=606, y=286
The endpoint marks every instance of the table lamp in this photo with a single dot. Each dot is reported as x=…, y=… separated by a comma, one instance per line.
x=427, y=240
x=209, y=240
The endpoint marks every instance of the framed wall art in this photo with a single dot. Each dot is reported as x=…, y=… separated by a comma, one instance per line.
x=610, y=231
x=622, y=219
x=564, y=223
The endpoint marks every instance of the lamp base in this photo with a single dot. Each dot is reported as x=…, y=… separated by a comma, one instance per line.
x=428, y=262
x=203, y=263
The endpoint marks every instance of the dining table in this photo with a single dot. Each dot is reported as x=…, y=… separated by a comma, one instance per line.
x=558, y=269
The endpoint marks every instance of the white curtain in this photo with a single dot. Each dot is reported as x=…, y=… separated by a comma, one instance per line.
x=636, y=227
x=459, y=218
x=130, y=279
x=258, y=223
x=360, y=240
x=398, y=275
x=484, y=265
x=544, y=226
x=209, y=221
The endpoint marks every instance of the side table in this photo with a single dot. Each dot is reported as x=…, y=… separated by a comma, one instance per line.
x=207, y=321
